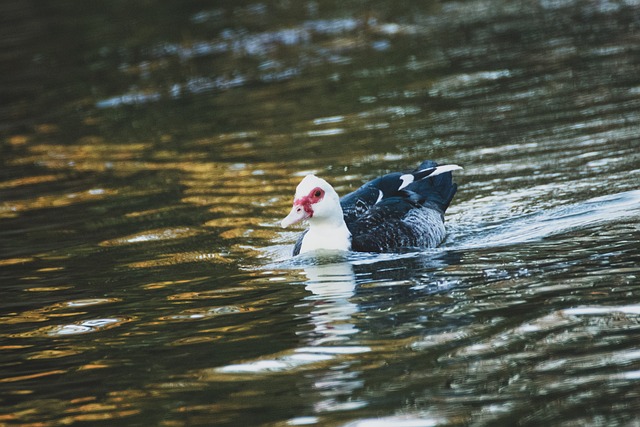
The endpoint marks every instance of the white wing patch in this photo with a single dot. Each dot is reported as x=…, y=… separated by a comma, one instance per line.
x=444, y=169
x=406, y=180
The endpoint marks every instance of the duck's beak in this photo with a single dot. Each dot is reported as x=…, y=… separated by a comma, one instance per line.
x=297, y=214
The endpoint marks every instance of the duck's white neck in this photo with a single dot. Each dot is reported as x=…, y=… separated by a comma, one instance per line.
x=327, y=233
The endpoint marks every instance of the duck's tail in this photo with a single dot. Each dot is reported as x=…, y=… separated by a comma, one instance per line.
x=434, y=184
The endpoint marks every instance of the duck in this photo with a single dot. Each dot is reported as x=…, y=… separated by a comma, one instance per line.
x=397, y=212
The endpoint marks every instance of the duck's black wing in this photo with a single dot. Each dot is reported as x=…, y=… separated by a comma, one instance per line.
x=402, y=222
x=408, y=211
x=357, y=203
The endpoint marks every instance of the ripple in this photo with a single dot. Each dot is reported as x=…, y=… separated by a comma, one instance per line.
x=600, y=311
x=210, y=294
x=408, y=420
x=11, y=379
x=545, y=223
x=77, y=328
x=131, y=98
x=243, y=43
x=59, y=309
x=334, y=350
x=182, y=258
x=159, y=234
x=14, y=261
x=206, y=313
x=325, y=132
x=462, y=84
x=12, y=208
x=283, y=363
x=52, y=354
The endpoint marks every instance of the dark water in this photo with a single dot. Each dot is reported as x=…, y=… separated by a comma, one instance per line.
x=149, y=149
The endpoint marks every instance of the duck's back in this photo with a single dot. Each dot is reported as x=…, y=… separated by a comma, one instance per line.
x=390, y=214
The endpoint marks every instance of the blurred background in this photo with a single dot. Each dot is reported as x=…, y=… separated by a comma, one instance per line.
x=149, y=149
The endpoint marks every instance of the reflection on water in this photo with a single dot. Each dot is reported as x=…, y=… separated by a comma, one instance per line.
x=330, y=314
x=146, y=159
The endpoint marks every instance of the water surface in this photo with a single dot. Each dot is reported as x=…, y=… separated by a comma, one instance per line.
x=149, y=151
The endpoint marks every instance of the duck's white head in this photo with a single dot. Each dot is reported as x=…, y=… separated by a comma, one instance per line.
x=315, y=201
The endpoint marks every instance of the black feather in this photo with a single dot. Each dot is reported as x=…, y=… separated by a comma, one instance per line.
x=298, y=245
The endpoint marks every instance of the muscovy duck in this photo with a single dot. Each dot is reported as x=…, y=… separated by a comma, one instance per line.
x=398, y=211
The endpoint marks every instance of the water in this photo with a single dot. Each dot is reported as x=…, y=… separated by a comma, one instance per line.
x=149, y=151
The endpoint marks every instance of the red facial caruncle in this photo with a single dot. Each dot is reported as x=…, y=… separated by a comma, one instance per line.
x=305, y=202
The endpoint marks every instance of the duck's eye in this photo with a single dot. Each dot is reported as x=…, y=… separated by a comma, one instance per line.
x=318, y=193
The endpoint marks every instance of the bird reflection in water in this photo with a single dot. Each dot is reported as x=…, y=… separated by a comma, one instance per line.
x=332, y=284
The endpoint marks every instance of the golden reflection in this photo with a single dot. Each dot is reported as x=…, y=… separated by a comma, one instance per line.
x=12, y=207
x=91, y=121
x=126, y=395
x=175, y=423
x=234, y=233
x=51, y=354
x=7, y=211
x=26, y=317
x=233, y=221
x=226, y=137
x=244, y=232
x=238, y=209
x=193, y=340
x=182, y=258
x=14, y=347
x=56, y=310
x=230, y=193
x=230, y=190
x=242, y=331
x=48, y=289
x=47, y=128
x=91, y=153
x=14, y=261
x=149, y=212
x=206, y=313
x=19, y=393
x=167, y=283
x=212, y=294
x=92, y=146
x=83, y=399
x=202, y=201
x=47, y=269
x=91, y=366
x=82, y=409
x=29, y=180
x=112, y=414
x=18, y=140
x=31, y=376
x=153, y=235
